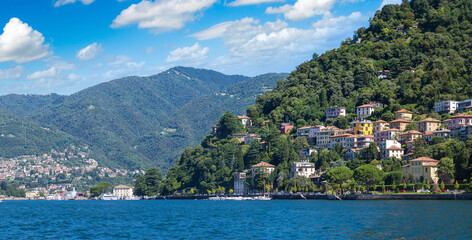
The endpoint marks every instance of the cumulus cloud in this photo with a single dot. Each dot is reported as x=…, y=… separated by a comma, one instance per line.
x=273, y=44
x=195, y=53
x=161, y=16
x=20, y=43
x=238, y=3
x=302, y=9
x=12, y=73
x=49, y=73
x=90, y=52
x=59, y=3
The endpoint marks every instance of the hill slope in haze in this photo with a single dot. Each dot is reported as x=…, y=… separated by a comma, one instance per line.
x=23, y=105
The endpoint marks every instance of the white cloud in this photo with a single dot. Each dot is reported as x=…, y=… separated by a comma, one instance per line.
x=161, y=16
x=303, y=9
x=49, y=73
x=59, y=3
x=120, y=66
x=195, y=53
x=90, y=52
x=20, y=43
x=386, y=2
x=273, y=44
x=12, y=73
x=238, y=3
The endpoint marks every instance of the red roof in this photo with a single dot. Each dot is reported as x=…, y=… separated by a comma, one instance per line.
x=390, y=130
x=406, y=165
x=395, y=148
x=243, y=117
x=400, y=121
x=403, y=111
x=430, y=120
x=308, y=127
x=411, y=132
x=365, y=105
x=424, y=159
x=462, y=116
x=263, y=164
x=380, y=121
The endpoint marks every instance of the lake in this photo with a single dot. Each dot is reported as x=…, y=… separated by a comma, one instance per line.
x=191, y=219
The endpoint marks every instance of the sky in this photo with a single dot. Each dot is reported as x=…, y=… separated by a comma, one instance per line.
x=64, y=46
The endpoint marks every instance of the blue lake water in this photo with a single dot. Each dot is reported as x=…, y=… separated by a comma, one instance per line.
x=190, y=219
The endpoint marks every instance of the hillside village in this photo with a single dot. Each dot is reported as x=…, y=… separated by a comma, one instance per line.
x=393, y=140
x=58, y=171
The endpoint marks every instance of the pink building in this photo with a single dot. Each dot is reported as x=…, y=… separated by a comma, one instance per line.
x=461, y=120
x=387, y=134
x=334, y=112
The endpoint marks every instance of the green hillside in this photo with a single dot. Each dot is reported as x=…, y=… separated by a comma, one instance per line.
x=23, y=105
x=20, y=136
x=192, y=122
x=426, y=47
x=111, y=115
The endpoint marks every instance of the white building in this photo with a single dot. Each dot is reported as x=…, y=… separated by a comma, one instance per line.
x=304, y=168
x=444, y=107
x=364, y=111
x=123, y=191
x=390, y=148
x=240, y=187
x=245, y=120
x=313, y=130
x=462, y=105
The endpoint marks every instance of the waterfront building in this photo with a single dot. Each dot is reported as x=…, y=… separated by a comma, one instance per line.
x=285, y=128
x=399, y=124
x=410, y=136
x=422, y=168
x=262, y=167
x=463, y=105
x=404, y=114
x=362, y=127
x=443, y=133
x=387, y=134
x=380, y=125
x=429, y=125
x=240, y=187
x=445, y=107
x=245, y=120
x=302, y=168
x=390, y=148
x=123, y=191
x=364, y=111
x=304, y=131
x=334, y=112
x=322, y=138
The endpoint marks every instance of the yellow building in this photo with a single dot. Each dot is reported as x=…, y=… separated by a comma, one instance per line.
x=362, y=127
x=404, y=114
x=422, y=168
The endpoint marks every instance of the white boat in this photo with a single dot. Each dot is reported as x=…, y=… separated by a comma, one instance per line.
x=108, y=196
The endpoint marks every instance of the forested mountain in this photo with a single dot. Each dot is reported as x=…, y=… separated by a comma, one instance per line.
x=411, y=56
x=22, y=105
x=111, y=115
x=193, y=121
x=21, y=136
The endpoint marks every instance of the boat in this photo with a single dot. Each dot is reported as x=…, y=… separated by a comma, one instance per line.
x=108, y=196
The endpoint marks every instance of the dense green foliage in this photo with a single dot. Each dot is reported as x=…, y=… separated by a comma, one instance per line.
x=426, y=46
x=100, y=188
x=148, y=184
x=10, y=189
x=21, y=136
x=23, y=105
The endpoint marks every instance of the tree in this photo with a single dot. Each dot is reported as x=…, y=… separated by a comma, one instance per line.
x=371, y=152
x=446, y=169
x=442, y=185
x=456, y=185
x=339, y=175
x=228, y=125
x=149, y=184
x=100, y=188
x=368, y=174
x=341, y=122
x=252, y=113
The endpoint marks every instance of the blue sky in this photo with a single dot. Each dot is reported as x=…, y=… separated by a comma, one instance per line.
x=64, y=46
